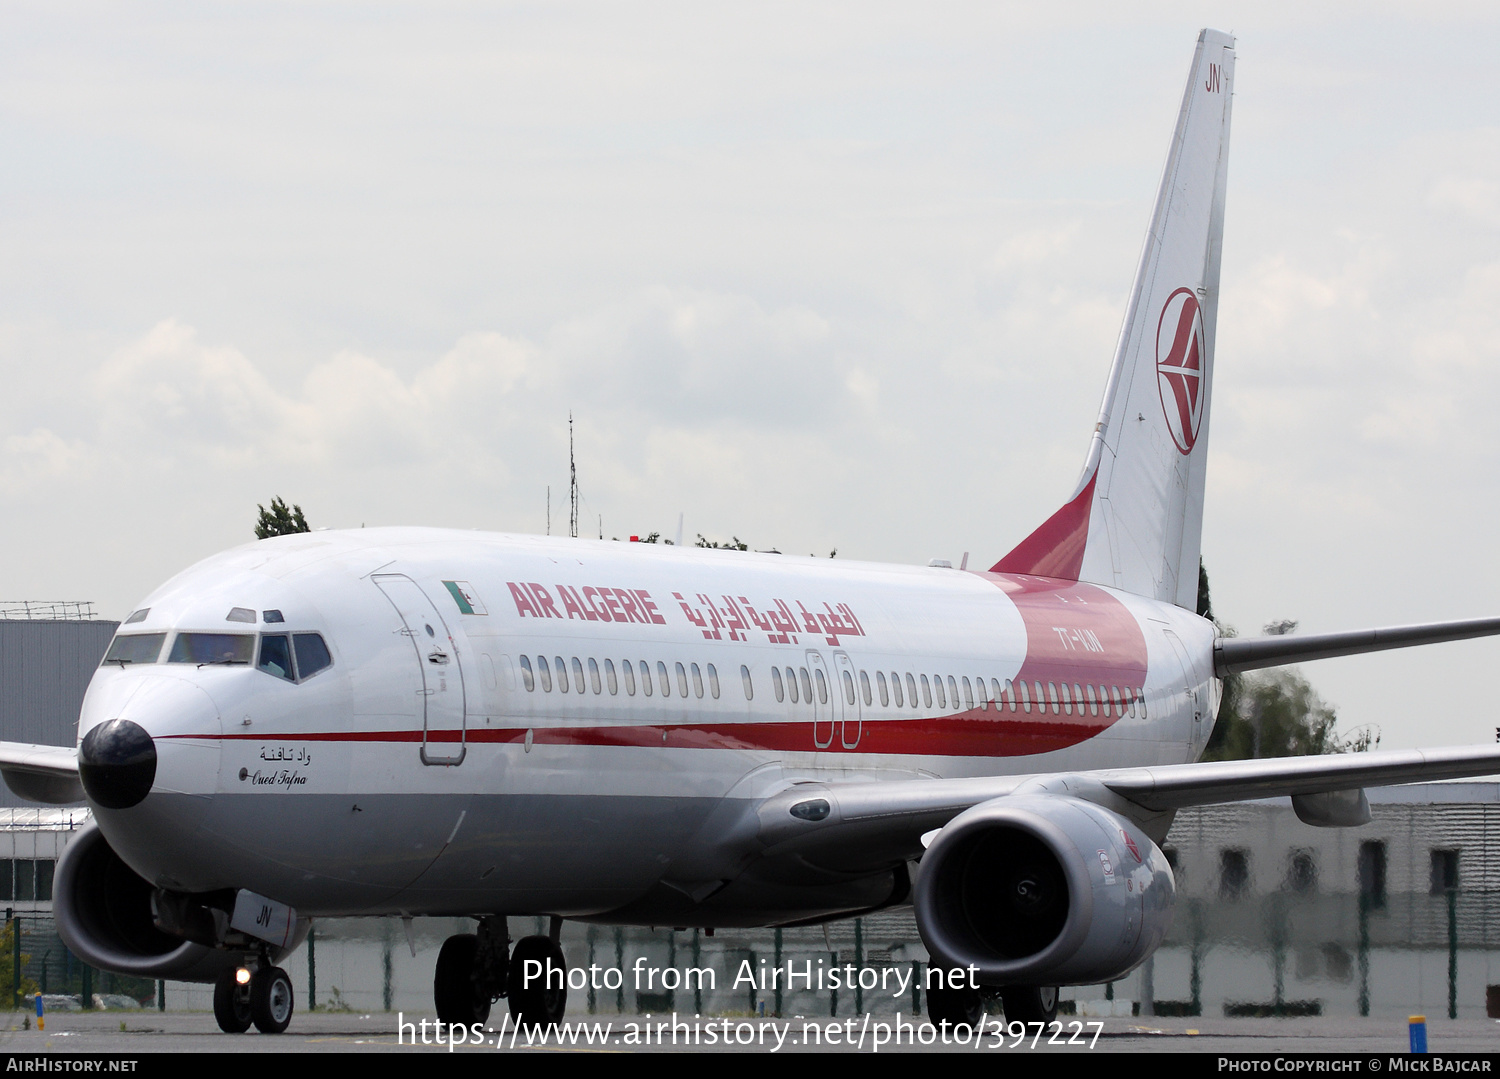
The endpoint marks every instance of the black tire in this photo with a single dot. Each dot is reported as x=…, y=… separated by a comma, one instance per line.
x=957, y=1006
x=458, y=1002
x=271, y=1000
x=231, y=1004
x=1030, y=1003
x=537, y=1004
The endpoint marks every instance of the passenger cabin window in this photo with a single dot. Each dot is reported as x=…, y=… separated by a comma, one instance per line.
x=627, y=668
x=885, y=699
x=713, y=682
x=776, y=686
x=664, y=680
x=864, y=688
x=697, y=680
x=577, y=674
x=135, y=648
x=748, y=685
x=609, y=676
x=546, y=673
x=646, y=678
x=215, y=648
x=527, y=677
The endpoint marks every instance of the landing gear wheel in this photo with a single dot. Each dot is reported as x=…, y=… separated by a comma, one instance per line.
x=957, y=1006
x=271, y=1000
x=459, y=1002
x=231, y=1004
x=1030, y=1003
x=538, y=1003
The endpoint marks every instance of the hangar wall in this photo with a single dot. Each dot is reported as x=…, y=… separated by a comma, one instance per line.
x=45, y=666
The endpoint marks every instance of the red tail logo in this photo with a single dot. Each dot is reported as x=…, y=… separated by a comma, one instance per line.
x=1179, y=367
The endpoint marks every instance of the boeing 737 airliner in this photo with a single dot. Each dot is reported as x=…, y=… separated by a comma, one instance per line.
x=404, y=721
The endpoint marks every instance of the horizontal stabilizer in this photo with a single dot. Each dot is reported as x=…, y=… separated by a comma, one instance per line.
x=1234, y=654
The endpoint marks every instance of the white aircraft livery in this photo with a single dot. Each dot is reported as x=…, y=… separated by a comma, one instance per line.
x=405, y=721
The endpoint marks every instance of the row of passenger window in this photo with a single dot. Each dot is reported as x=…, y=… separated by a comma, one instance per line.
x=1018, y=696
x=797, y=684
x=610, y=679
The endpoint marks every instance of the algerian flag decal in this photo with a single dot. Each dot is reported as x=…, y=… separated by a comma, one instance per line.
x=464, y=595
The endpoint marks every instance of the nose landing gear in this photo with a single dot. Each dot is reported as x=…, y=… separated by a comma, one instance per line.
x=262, y=996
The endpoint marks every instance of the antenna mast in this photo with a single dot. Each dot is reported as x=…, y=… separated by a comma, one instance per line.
x=572, y=484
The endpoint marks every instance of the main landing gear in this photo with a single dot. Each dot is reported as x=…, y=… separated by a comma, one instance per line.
x=262, y=996
x=476, y=969
x=965, y=1005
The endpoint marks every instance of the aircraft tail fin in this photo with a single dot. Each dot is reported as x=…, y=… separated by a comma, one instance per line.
x=1135, y=519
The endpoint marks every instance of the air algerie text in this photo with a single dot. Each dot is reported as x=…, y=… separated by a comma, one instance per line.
x=728, y=618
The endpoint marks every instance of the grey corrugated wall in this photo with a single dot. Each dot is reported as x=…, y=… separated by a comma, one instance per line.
x=44, y=669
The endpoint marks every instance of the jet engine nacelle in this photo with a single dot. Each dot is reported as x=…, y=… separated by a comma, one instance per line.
x=1042, y=889
x=104, y=914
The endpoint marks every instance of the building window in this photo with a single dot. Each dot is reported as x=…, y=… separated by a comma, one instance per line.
x=1301, y=873
x=1444, y=871
x=1372, y=872
x=1234, y=873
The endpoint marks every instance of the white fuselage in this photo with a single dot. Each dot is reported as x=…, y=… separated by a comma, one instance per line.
x=450, y=758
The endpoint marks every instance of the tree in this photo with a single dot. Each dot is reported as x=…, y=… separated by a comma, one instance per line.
x=1273, y=713
x=1278, y=714
x=279, y=521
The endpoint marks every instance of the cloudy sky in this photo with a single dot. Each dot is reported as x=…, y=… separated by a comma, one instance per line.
x=815, y=275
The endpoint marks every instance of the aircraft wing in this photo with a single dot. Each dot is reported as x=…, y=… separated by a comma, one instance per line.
x=863, y=824
x=41, y=773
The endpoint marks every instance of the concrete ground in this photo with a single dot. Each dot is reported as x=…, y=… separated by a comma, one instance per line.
x=125, y=1032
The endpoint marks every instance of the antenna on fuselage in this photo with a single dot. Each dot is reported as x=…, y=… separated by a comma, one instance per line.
x=679, y=530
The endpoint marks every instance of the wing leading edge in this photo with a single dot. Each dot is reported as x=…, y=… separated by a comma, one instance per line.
x=41, y=773
x=867, y=823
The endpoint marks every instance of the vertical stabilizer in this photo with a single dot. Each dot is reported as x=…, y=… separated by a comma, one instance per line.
x=1135, y=520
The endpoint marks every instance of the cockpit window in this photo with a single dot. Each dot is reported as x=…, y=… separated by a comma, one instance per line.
x=212, y=648
x=312, y=654
x=276, y=656
x=135, y=648
x=138, y=616
x=277, y=650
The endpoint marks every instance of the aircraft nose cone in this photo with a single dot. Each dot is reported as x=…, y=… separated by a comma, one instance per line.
x=117, y=764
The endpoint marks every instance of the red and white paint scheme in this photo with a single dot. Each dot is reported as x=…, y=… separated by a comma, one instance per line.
x=420, y=722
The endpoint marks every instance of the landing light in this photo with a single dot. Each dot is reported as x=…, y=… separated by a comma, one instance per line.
x=242, y=976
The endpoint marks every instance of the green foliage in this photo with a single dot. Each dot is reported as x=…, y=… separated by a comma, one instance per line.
x=736, y=544
x=1277, y=714
x=279, y=520
x=8, y=963
x=1205, y=602
x=1273, y=713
